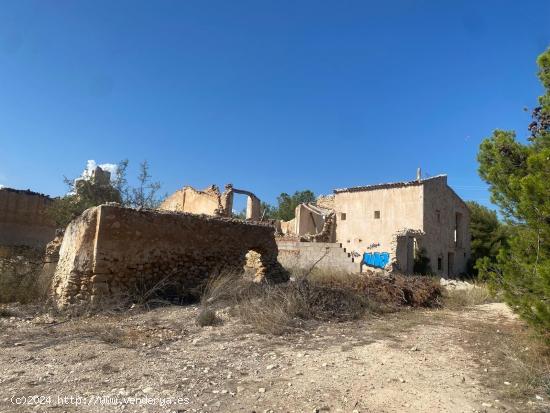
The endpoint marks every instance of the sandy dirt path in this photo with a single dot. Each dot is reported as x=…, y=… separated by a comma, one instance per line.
x=412, y=361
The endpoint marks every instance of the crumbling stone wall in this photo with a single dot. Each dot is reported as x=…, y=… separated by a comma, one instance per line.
x=24, y=219
x=287, y=227
x=20, y=267
x=253, y=203
x=26, y=272
x=211, y=201
x=110, y=250
x=253, y=263
x=327, y=232
x=50, y=257
x=325, y=201
x=311, y=223
x=25, y=229
x=188, y=199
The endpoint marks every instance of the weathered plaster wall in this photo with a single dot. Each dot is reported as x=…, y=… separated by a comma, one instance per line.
x=288, y=227
x=211, y=201
x=423, y=214
x=23, y=218
x=253, y=204
x=188, y=199
x=110, y=250
x=308, y=221
x=324, y=256
x=72, y=279
x=441, y=205
x=359, y=231
x=253, y=207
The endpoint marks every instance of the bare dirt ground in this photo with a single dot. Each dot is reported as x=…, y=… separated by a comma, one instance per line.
x=410, y=361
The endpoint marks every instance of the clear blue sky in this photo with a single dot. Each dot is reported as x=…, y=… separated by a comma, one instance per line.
x=272, y=96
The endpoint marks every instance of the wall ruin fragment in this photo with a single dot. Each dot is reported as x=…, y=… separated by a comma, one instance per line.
x=253, y=204
x=188, y=199
x=311, y=223
x=24, y=219
x=25, y=230
x=211, y=201
x=110, y=250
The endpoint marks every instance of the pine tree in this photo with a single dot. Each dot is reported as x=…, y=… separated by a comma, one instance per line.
x=489, y=236
x=519, y=179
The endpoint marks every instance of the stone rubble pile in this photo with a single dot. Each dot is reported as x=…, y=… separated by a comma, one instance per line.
x=456, y=284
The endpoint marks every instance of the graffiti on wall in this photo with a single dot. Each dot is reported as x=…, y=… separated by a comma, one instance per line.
x=376, y=259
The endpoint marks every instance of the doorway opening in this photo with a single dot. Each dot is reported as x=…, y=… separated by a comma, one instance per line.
x=249, y=210
x=450, y=263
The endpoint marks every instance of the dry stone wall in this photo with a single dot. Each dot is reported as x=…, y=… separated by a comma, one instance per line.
x=20, y=267
x=111, y=250
x=25, y=230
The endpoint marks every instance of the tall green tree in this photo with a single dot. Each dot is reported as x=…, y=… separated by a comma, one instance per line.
x=267, y=211
x=489, y=236
x=519, y=178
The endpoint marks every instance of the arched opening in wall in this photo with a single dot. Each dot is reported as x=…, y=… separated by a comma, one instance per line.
x=240, y=205
x=248, y=209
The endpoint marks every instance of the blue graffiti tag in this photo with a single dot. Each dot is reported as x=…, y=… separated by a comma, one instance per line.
x=376, y=259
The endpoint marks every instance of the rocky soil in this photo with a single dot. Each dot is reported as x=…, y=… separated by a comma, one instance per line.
x=160, y=361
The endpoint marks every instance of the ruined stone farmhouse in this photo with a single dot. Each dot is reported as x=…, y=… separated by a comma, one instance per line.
x=111, y=250
x=386, y=226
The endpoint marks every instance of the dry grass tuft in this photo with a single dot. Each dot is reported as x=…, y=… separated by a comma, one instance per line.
x=459, y=299
x=207, y=317
x=322, y=296
x=269, y=310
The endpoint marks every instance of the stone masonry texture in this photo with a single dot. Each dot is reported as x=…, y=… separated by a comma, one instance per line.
x=110, y=250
